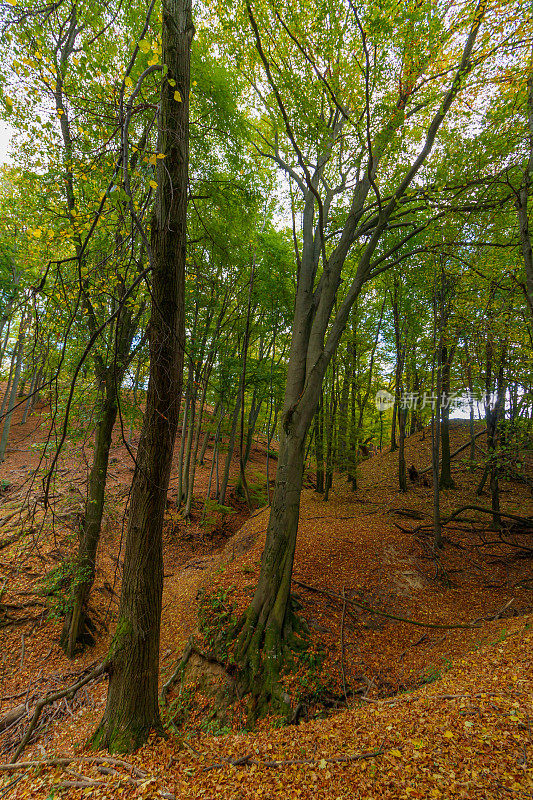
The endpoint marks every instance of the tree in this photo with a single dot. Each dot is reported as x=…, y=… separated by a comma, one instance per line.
x=132, y=709
x=320, y=315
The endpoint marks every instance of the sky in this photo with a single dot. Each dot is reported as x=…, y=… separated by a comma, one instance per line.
x=5, y=137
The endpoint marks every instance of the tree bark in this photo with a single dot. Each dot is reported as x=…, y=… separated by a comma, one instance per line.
x=77, y=627
x=132, y=709
x=13, y=390
x=522, y=210
x=446, y=481
x=318, y=324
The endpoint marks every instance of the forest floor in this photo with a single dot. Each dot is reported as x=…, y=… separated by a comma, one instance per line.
x=387, y=708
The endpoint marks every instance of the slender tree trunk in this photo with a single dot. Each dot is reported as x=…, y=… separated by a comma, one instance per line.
x=471, y=414
x=319, y=445
x=522, y=210
x=393, y=442
x=190, y=439
x=343, y=419
x=446, y=481
x=132, y=709
x=136, y=381
x=30, y=397
x=3, y=348
x=183, y=440
x=194, y=460
x=435, y=434
x=402, y=473
x=231, y=448
x=77, y=626
x=13, y=391
x=7, y=393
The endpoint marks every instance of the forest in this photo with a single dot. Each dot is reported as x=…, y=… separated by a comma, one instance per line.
x=266, y=386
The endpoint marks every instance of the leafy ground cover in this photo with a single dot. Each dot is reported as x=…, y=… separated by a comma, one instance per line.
x=385, y=708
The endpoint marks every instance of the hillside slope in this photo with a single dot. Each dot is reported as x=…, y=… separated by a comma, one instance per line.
x=350, y=551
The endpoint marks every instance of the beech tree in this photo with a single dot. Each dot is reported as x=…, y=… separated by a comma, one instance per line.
x=352, y=152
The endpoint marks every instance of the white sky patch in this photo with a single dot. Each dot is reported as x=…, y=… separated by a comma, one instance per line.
x=6, y=132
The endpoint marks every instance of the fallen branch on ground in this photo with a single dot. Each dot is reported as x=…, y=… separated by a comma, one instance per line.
x=455, y=453
x=65, y=761
x=249, y=760
x=44, y=701
x=527, y=521
x=373, y=610
x=177, y=672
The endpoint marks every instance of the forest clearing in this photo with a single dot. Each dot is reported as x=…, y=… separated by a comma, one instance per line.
x=266, y=386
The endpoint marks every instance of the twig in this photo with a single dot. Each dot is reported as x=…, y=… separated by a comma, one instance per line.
x=44, y=701
x=177, y=672
x=248, y=760
x=455, y=453
x=373, y=610
x=65, y=761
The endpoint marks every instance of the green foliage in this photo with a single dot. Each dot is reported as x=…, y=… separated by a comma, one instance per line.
x=58, y=585
x=214, y=511
x=216, y=617
x=433, y=673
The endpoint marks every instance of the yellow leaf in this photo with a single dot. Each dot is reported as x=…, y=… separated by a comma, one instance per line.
x=448, y=735
x=177, y=96
x=59, y=112
x=128, y=81
x=152, y=159
x=172, y=82
x=144, y=45
x=161, y=155
x=395, y=753
x=153, y=184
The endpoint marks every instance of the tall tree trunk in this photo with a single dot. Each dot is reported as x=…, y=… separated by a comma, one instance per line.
x=267, y=623
x=132, y=709
x=435, y=423
x=319, y=445
x=3, y=347
x=194, y=459
x=183, y=440
x=521, y=207
x=343, y=419
x=33, y=382
x=402, y=472
x=393, y=442
x=7, y=393
x=13, y=390
x=446, y=481
x=231, y=448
